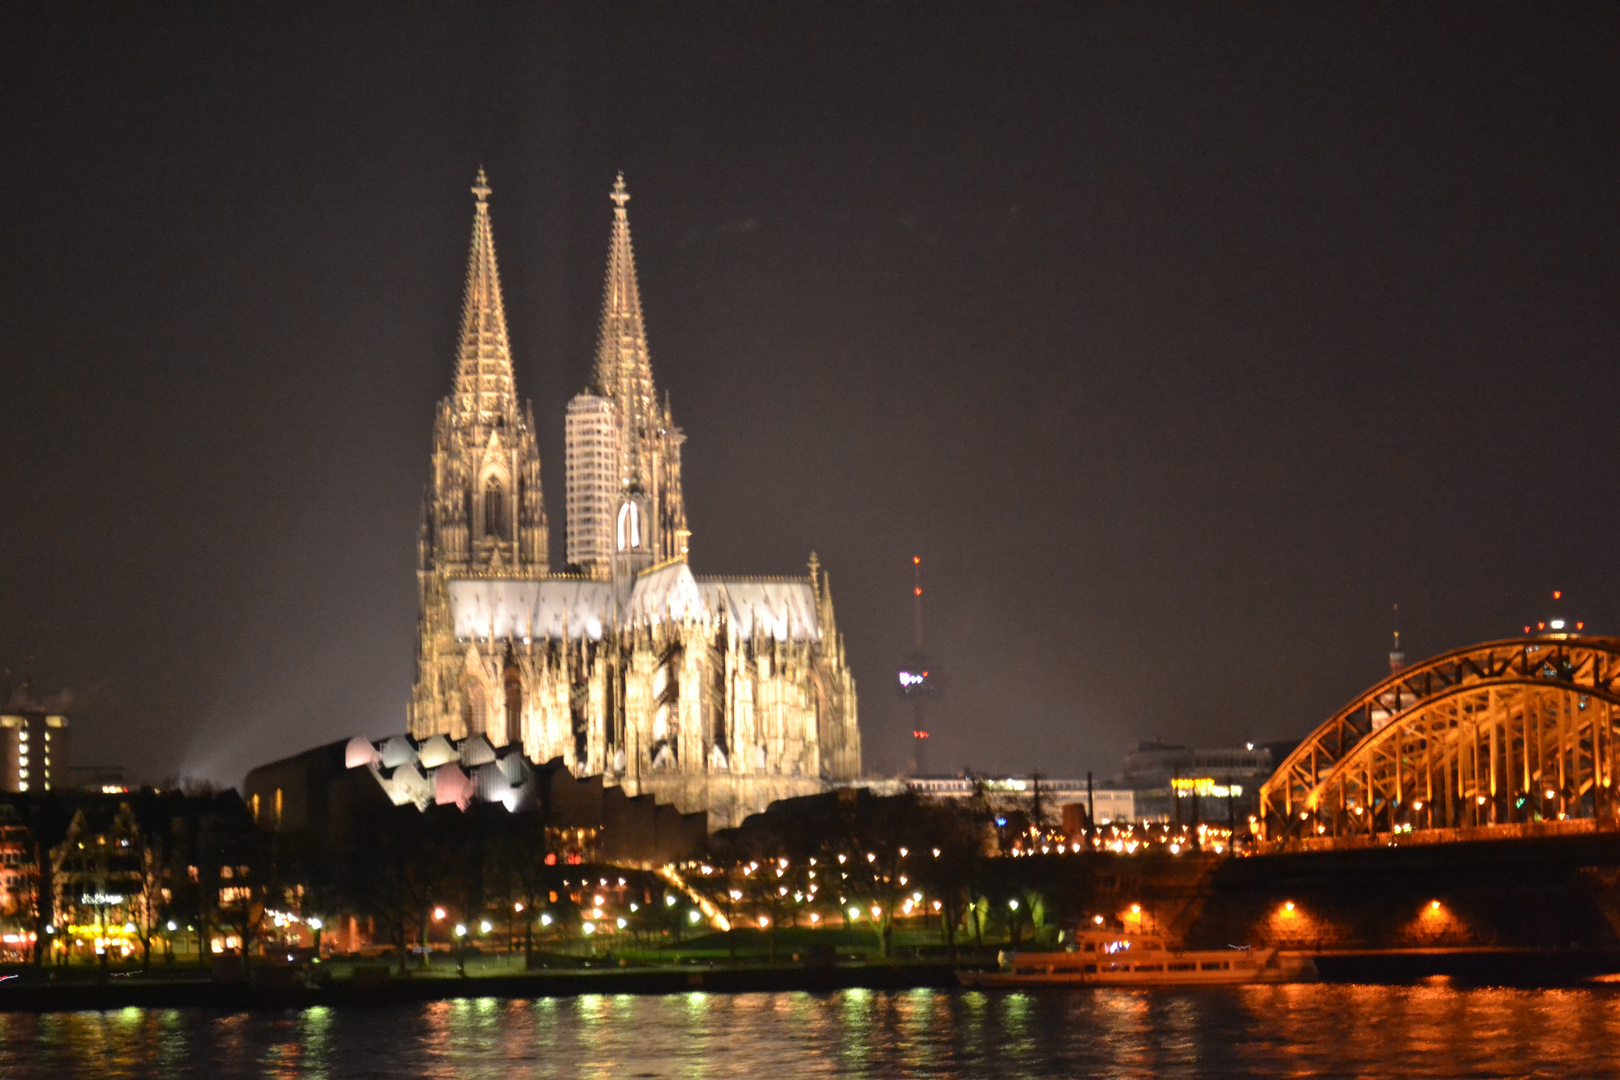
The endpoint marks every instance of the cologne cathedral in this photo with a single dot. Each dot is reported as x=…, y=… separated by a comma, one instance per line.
x=714, y=694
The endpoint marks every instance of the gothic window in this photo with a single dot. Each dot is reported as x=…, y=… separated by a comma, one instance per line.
x=474, y=709
x=629, y=526
x=494, y=515
x=514, y=702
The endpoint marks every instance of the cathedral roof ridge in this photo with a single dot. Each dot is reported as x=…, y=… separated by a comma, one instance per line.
x=487, y=572
x=753, y=579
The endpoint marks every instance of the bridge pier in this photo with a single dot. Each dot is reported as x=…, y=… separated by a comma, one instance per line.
x=1543, y=893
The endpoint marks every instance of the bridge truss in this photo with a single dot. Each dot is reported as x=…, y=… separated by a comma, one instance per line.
x=1506, y=738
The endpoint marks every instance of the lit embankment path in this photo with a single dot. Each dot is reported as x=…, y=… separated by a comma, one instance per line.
x=710, y=912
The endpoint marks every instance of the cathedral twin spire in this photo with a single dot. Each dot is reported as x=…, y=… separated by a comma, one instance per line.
x=639, y=458
x=623, y=368
x=484, y=392
x=649, y=441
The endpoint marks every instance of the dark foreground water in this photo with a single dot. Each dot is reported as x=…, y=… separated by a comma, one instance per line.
x=1320, y=1030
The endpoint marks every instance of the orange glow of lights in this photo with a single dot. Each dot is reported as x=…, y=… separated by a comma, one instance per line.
x=438, y=914
x=918, y=590
x=916, y=559
x=1541, y=626
x=1288, y=906
x=1527, y=629
x=1434, y=905
x=919, y=734
x=1558, y=594
x=1580, y=626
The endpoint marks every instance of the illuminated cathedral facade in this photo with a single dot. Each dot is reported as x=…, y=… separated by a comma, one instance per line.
x=715, y=694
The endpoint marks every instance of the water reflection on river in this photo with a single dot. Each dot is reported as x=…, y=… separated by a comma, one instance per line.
x=1427, y=1031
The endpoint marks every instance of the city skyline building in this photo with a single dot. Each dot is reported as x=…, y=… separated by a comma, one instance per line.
x=717, y=694
x=34, y=745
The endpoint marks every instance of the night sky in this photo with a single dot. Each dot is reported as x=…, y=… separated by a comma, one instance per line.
x=1180, y=341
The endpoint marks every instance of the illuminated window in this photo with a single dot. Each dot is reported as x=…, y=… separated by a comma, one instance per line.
x=629, y=526
x=514, y=701
x=494, y=516
x=475, y=709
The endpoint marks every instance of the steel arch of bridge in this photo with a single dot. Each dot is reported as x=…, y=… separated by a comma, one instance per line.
x=1505, y=738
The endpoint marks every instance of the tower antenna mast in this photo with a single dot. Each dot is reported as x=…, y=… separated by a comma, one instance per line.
x=919, y=707
x=916, y=591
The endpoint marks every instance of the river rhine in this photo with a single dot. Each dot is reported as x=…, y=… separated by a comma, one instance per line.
x=1302, y=1030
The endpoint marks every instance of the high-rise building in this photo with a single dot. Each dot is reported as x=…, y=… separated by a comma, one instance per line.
x=33, y=746
x=715, y=694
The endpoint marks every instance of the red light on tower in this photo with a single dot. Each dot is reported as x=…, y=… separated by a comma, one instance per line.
x=917, y=674
x=1557, y=624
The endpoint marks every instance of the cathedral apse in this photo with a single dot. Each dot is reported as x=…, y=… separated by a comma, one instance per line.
x=718, y=694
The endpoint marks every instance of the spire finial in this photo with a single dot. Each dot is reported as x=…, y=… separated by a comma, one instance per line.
x=620, y=195
x=480, y=187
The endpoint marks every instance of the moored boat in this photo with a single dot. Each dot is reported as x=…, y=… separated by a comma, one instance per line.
x=1111, y=959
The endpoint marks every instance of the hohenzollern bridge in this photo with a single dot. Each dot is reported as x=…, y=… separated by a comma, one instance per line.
x=1505, y=740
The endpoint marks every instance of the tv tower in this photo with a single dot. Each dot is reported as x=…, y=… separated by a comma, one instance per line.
x=919, y=675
